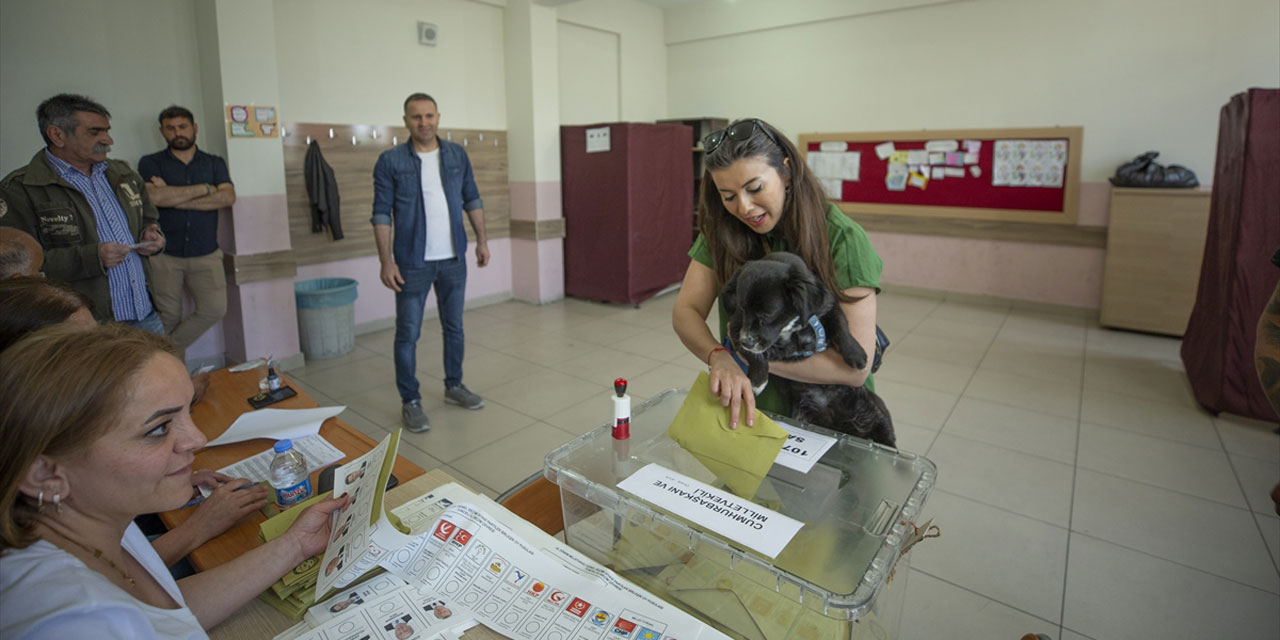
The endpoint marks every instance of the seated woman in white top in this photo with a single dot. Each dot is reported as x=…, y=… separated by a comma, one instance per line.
x=97, y=430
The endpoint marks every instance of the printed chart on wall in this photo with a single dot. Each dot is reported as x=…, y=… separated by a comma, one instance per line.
x=1011, y=174
x=250, y=121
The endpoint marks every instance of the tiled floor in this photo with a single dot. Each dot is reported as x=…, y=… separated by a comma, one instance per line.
x=1081, y=493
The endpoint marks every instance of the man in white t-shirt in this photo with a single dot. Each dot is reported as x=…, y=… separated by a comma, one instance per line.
x=421, y=188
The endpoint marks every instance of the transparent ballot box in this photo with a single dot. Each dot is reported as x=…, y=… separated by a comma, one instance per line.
x=842, y=576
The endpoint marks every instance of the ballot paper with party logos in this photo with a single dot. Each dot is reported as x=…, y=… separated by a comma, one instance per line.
x=522, y=589
x=490, y=566
x=399, y=613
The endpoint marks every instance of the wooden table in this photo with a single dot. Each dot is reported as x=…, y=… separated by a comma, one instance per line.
x=259, y=620
x=224, y=401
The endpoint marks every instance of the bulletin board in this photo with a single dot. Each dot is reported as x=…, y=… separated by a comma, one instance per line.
x=1016, y=175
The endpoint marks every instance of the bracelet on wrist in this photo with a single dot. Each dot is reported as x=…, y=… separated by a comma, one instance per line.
x=713, y=352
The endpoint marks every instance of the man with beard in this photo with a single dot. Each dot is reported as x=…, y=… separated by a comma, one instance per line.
x=189, y=186
x=92, y=216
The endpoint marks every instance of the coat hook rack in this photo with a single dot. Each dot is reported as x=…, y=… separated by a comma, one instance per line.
x=395, y=140
x=308, y=141
x=330, y=133
x=353, y=141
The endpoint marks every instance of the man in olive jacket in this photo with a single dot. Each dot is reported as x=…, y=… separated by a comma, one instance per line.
x=91, y=215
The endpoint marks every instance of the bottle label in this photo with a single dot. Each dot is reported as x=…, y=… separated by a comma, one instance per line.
x=290, y=496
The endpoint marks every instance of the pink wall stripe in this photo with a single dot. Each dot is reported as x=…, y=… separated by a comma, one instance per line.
x=258, y=224
x=1025, y=271
x=536, y=200
x=376, y=302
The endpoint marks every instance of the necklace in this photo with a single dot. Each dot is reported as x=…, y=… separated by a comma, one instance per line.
x=97, y=553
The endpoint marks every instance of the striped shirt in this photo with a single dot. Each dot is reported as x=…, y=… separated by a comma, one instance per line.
x=129, y=299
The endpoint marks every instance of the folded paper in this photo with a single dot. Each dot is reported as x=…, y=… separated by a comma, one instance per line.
x=738, y=457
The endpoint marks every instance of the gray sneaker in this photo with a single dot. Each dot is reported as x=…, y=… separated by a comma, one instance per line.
x=415, y=419
x=462, y=396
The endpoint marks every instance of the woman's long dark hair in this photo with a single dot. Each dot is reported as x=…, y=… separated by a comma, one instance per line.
x=802, y=222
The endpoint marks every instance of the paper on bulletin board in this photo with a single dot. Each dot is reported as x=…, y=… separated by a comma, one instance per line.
x=1029, y=163
x=252, y=121
x=840, y=165
x=896, y=178
x=884, y=150
x=833, y=188
x=850, y=165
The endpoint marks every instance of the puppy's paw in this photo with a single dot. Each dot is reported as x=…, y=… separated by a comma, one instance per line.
x=758, y=389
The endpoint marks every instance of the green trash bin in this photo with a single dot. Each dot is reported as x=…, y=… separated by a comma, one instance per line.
x=326, y=317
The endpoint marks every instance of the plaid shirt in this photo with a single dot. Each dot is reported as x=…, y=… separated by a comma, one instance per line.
x=129, y=299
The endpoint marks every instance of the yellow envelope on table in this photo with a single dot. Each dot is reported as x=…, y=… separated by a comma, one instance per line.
x=739, y=457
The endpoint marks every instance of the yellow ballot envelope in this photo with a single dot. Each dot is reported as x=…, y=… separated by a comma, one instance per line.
x=739, y=457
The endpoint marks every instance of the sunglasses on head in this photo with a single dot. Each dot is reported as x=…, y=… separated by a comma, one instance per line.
x=740, y=131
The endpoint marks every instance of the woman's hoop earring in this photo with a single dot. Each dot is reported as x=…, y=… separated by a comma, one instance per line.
x=57, y=502
x=40, y=502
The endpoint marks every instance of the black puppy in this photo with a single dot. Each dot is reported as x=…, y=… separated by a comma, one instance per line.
x=779, y=310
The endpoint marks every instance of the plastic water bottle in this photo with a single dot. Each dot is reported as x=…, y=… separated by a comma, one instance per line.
x=289, y=475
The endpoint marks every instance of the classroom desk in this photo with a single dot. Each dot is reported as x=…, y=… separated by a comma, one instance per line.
x=224, y=401
x=258, y=620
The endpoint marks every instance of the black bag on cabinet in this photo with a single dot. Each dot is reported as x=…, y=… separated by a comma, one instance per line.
x=1144, y=171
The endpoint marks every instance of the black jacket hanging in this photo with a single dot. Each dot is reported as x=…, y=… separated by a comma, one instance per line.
x=322, y=190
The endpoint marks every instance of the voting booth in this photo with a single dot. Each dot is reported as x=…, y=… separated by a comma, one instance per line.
x=816, y=554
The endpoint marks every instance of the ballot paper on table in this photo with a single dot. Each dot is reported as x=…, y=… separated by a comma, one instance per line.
x=277, y=424
x=740, y=520
x=401, y=612
x=315, y=449
x=470, y=552
x=520, y=588
x=365, y=480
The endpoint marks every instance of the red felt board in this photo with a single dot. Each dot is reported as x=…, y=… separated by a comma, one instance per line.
x=949, y=192
x=966, y=197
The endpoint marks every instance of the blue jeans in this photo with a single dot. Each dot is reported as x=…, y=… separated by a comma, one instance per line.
x=450, y=280
x=150, y=324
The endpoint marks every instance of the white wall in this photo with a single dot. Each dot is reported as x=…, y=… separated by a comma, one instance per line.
x=588, y=71
x=1137, y=74
x=136, y=57
x=355, y=62
x=642, y=56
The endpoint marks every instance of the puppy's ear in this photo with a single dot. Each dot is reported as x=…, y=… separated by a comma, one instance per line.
x=729, y=293
x=805, y=291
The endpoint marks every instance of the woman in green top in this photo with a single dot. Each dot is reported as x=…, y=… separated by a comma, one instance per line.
x=759, y=196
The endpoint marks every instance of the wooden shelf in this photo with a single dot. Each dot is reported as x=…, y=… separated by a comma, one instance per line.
x=1035, y=232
